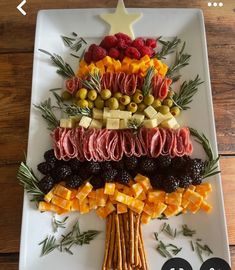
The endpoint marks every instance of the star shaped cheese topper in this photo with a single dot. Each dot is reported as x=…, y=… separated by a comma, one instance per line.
x=121, y=20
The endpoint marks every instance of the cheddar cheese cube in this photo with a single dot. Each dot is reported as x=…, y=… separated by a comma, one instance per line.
x=109, y=188
x=86, y=189
x=62, y=203
x=174, y=198
x=49, y=195
x=206, y=207
x=123, y=198
x=172, y=210
x=44, y=206
x=75, y=205
x=145, y=218
x=92, y=203
x=149, y=209
x=142, y=196
x=137, y=189
x=62, y=192
x=156, y=196
x=144, y=181
x=137, y=206
x=121, y=208
x=101, y=198
x=84, y=206
x=103, y=212
x=159, y=209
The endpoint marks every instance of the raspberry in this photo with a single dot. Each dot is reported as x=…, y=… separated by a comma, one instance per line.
x=92, y=47
x=132, y=53
x=114, y=53
x=146, y=51
x=150, y=42
x=109, y=42
x=125, y=37
x=138, y=43
x=121, y=44
x=98, y=53
x=88, y=57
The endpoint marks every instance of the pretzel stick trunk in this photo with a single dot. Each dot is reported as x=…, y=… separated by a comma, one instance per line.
x=142, y=251
x=136, y=242
x=126, y=237
x=107, y=240
x=112, y=240
x=118, y=243
x=131, y=229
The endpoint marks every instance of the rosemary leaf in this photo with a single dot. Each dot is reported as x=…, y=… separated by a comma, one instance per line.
x=167, y=48
x=74, y=55
x=147, y=84
x=48, y=245
x=93, y=81
x=134, y=124
x=192, y=245
x=187, y=232
x=73, y=110
x=58, y=224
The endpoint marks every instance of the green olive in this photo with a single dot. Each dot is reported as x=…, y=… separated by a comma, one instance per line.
x=99, y=103
x=90, y=104
x=164, y=109
x=66, y=95
x=81, y=93
x=157, y=103
x=105, y=94
x=113, y=103
x=121, y=107
x=170, y=93
x=125, y=100
x=137, y=97
x=168, y=102
x=148, y=100
x=118, y=95
x=82, y=103
x=92, y=95
x=132, y=107
x=141, y=107
x=175, y=111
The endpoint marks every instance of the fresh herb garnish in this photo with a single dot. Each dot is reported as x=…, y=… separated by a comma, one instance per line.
x=30, y=182
x=187, y=90
x=167, y=48
x=64, y=69
x=147, y=84
x=75, y=43
x=166, y=228
x=181, y=60
x=73, y=110
x=162, y=249
x=74, y=237
x=187, y=232
x=93, y=81
x=134, y=124
x=47, y=113
x=58, y=223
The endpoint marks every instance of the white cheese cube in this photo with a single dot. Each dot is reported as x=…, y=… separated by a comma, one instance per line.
x=67, y=123
x=162, y=117
x=115, y=114
x=138, y=117
x=150, y=123
x=97, y=114
x=85, y=121
x=106, y=113
x=170, y=123
x=112, y=123
x=123, y=123
x=96, y=124
x=150, y=112
x=125, y=115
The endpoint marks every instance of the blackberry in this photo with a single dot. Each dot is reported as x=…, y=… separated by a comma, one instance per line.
x=157, y=181
x=84, y=173
x=123, y=177
x=46, y=184
x=131, y=163
x=163, y=162
x=60, y=173
x=147, y=165
x=201, y=165
x=118, y=164
x=184, y=181
x=106, y=165
x=50, y=157
x=75, y=181
x=193, y=168
x=170, y=183
x=178, y=163
x=44, y=168
x=197, y=180
x=93, y=167
x=97, y=181
x=109, y=175
x=75, y=164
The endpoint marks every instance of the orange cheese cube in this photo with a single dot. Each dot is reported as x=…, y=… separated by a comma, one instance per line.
x=125, y=68
x=144, y=181
x=44, y=206
x=121, y=208
x=128, y=191
x=194, y=208
x=172, y=210
x=101, y=198
x=137, y=206
x=92, y=203
x=149, y=209
x=192, y=187
x=137, y=189
x=185, y=202
x=65, y=204
x=205, y=206
x=75, y=205
x=203, y=193
x=109, y=188
x=92, y=194
x=145, y=59
x=119, y=186
x=86, y=189
x=126, y=60
x=110, y=69
x=134, y=68
x=145, y=218
x=173, y=198
x=123, y=198
x=107, y=61
x=103, y=212
x=205, y=187
x=73, y=193
x=49, y=195
x=117, y=65
x=63, y=192
x=142, y=196
x=159, y=209
x=156, y=196
x=99, y=64
x=180, y=190
x=84, y=206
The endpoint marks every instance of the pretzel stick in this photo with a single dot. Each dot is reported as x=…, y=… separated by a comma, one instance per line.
x=118, y=239
x=131, y=227
x=136, y=242
x=111, y=248
x=107, y=240
x=115, y=254
x=144, y=263
x=124, y=263
x=126, y=236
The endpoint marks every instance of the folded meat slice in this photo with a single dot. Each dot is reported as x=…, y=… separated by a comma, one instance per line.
x=156, y=143
x=128, y=143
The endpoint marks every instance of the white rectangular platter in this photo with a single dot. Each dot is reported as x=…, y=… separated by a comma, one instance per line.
x=188, y=24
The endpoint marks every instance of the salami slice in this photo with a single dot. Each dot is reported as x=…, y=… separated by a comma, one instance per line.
x=128, y=143
x=156, y=144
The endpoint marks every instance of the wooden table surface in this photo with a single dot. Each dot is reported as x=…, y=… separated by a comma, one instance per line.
x=16, y=59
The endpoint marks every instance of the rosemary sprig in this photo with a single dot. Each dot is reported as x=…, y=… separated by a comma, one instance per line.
x=29, y=181
x=186, y=93
x=58, y=223
x=175, y=250
x=93, y=81
x=147, y=85
x=162, y=249
x=187, y=232
x=47, y=113
x=167, y=48
x=73, y=110
x=181, y=60
x=64, y=69
x=202, y=250
x=68, y=41
x=134, y=124
x=48, y=245
x=73, y=43
x=168, y=230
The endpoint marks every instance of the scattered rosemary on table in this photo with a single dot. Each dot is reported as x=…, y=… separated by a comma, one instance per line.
x=74, y=237
x=187, y=90
x=147, y=84
x=93, y=81
x=75, y=43
x=64, y=69
x=166, y=228
x=167, y=48
x=58, y=223
x=30, y=182
x=211, y=167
